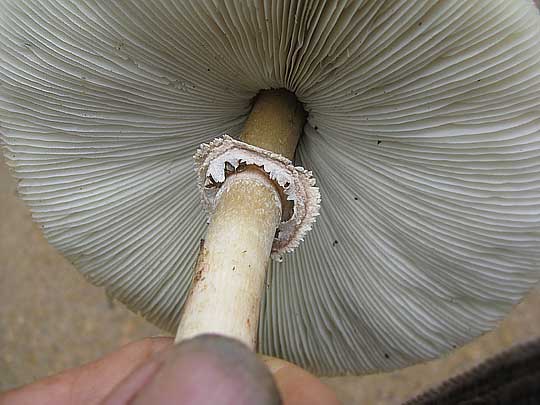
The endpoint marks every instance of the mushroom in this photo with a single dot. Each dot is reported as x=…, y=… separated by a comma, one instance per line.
x=422, y=130
x=259, y=203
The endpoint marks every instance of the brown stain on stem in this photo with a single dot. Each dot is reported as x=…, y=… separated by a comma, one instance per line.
x=201, y=266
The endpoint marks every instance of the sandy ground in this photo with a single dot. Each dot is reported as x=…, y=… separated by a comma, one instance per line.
x=52, y=319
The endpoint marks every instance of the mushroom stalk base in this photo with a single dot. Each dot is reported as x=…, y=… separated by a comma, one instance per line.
x=231, y=268
x=229, y=278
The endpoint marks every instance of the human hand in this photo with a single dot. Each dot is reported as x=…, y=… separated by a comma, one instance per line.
x=205, y=370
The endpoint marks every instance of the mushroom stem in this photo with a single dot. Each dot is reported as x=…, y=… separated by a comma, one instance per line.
x=275, y=122
x=229, y=277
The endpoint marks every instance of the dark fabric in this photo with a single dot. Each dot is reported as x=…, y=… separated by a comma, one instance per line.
x=512, y=378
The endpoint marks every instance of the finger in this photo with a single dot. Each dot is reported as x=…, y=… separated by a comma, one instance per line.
x=209, y=369
x=297, y=386
x=90, y=383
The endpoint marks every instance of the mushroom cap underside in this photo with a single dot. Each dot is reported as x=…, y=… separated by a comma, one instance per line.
x=423, y=134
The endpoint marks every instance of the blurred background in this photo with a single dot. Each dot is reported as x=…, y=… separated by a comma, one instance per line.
x=52, y=319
